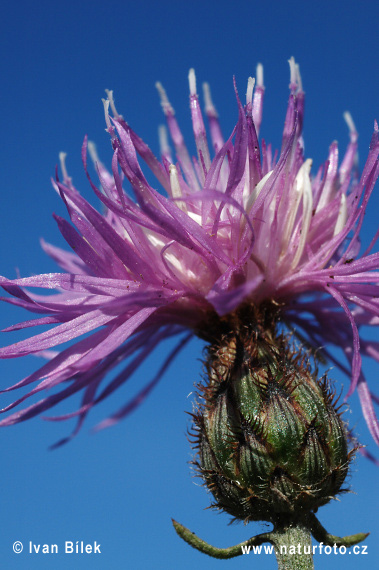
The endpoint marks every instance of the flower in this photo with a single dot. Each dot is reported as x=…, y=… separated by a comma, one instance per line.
x=246, y=227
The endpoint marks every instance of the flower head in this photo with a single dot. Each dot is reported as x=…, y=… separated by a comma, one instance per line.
x=245, y=227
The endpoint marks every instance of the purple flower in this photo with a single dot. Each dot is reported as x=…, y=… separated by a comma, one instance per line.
x=246, y=226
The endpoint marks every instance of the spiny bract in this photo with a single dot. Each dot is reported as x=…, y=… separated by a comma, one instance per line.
x=270, y=439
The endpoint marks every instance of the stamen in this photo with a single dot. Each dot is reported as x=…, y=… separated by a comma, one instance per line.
x=110, y=128
x=209, y=106
x=93, y=152
x=166, y=105
x=111, y=103
x=176, y=190
x=303, y=183
x=163, y=143
x=328, y=192
x=174, y=181
x=192, y=81
x=250, y=89
x=259, y=75
x=258, y=98
x=351, y=155
x=62, y=160
x=293, y=73
x=257, y=190
x=349, y=121
x=298, y=77
x=342, y=216
x=351, y=126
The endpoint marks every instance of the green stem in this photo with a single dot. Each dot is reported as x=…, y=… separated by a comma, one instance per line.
x=293, y=547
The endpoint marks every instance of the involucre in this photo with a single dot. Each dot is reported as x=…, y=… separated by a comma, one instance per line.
x=271, y=442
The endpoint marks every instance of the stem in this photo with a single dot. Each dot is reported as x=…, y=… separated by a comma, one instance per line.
x=293, y=547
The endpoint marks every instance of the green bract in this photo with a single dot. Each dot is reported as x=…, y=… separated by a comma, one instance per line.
x=271, y=442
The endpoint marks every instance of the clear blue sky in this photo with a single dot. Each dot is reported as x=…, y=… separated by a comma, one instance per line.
x=120, y=487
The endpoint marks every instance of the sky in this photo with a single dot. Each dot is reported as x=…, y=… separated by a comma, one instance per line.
x=120, y=487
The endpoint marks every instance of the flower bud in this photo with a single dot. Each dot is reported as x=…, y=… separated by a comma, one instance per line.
x=270, y=440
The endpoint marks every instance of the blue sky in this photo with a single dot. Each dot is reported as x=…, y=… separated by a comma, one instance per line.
x=120, y=487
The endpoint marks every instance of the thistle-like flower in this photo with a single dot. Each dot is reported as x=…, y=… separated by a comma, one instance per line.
x=244, y=228
x=271, y=443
